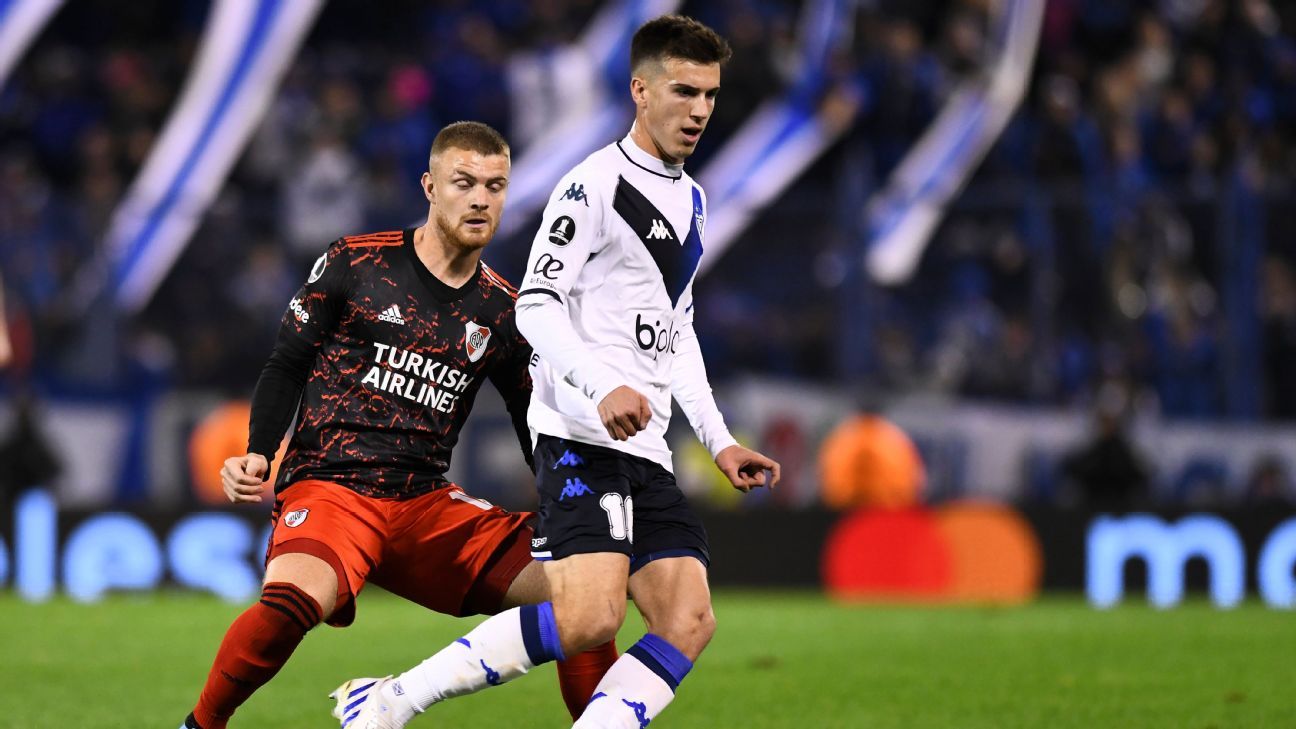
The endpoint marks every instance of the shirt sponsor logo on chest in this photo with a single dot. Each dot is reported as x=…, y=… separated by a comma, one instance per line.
x=416, y=377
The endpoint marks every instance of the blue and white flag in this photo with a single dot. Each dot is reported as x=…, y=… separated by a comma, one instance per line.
x=246, y=47
x=780, y=140
x=605, y=46
x=901, y=217
x=20, y=22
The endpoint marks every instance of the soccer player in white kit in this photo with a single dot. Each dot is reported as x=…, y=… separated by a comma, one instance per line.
x=607, y=305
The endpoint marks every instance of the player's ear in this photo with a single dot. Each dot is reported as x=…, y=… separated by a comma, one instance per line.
x=429, y=189
x=638, y=90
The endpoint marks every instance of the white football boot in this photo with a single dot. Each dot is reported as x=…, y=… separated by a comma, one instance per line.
x=361, y=705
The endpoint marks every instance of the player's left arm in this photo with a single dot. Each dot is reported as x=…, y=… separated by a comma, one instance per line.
x=511, y=376
x=745, y=468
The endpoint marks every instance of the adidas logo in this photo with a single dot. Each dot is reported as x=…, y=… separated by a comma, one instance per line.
x=659, y=231
x=392, y=315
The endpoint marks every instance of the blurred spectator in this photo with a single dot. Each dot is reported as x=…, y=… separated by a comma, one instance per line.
x=1270, y=485
x=321, y=200
x=867, y=461
x=1278, y=309
x=26, y=457
x=1107, y=471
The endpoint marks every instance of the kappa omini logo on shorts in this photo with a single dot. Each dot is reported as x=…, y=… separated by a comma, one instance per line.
x=295, y=518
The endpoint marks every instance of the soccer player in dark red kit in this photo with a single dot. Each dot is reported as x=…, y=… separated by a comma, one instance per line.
x=381, y=354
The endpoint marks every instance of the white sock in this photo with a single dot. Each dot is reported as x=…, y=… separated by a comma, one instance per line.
x=629, y=696
x=502, y=648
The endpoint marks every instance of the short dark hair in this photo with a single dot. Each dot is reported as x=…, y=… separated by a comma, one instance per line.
x=469, y=135
x=680, y=37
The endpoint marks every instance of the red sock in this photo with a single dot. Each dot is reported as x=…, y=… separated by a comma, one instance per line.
x=254, y=649
x=579, y=675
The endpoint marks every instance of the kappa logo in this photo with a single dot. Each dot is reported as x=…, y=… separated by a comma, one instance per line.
x=575, y=487
x=392, y=315
x=295, y=518
x=640, y=710
x=576, y=193
x=475, y=340
x=570, y=460
x=659, y=231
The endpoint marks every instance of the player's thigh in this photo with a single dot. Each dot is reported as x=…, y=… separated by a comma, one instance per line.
x=310, y=574
x=674, y=599
x=589, y=593
x=588, y=579
x=584, y=494
x=319, y=523
x=453, y=553
x=589, y=598
x=529, y=587
x=665, y=525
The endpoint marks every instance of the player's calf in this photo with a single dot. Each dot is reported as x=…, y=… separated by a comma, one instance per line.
x=255, y=647
x=300, y=591
x=675, y=601
x=673, y=597
x=637, y=687
x=513, y=642
x=497, y=651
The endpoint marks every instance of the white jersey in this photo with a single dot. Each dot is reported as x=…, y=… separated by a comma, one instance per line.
x=607, y=300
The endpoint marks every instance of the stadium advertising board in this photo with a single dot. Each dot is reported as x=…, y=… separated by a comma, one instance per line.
x=956, y=552
x=1166, y=547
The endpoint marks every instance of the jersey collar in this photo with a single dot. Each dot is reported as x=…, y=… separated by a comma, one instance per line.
x=644, y=161
x=441, y=291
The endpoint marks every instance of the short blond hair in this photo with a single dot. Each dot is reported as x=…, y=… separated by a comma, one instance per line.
x=472, y=136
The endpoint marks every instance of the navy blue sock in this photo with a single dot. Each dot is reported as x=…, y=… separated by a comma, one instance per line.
x=662, y=658
x=540, y=633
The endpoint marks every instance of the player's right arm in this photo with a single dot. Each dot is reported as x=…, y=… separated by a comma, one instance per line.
x=311, y=317
x=570, y=233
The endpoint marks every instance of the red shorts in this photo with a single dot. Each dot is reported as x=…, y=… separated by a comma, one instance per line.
x=444, y=550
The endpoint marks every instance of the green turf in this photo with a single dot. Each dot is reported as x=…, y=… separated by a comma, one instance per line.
x=779, y=660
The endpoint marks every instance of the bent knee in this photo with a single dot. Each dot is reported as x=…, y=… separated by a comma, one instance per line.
x=602, y=624
x=590, y=625
x=689, y=631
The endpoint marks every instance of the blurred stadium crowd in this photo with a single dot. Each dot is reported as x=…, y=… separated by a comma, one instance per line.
x=1124, y=235
x=1126, y=230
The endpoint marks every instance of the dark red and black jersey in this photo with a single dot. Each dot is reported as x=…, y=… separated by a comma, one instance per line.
x=393, y=359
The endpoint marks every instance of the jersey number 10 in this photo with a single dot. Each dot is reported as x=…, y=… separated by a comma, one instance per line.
x=620, y=512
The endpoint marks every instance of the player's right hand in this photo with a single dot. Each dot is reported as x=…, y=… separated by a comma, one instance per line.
x=243, y=477
x=624, y=412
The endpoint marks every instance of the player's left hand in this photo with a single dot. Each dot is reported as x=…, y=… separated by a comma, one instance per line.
x=746, y=469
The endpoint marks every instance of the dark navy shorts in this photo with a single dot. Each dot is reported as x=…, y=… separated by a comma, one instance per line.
x=596, y=499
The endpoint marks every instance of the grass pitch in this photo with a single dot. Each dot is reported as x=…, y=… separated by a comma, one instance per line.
x=778, y=660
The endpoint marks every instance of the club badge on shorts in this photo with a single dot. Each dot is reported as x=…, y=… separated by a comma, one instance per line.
x=475, y=341
x=295, y=518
